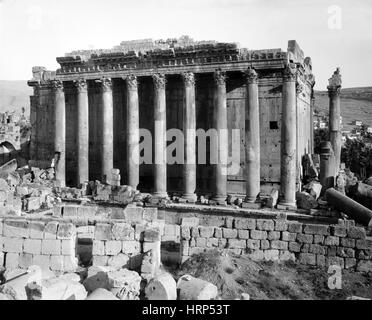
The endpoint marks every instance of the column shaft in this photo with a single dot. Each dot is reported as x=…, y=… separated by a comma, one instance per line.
x=60, y=132
x=160, y=166
x=220, y=124
x=252, y=139
x=107, y=149
x=288, y=170
x=189, y=127
x=132, y=131
x=334, y=91
x=83, y=132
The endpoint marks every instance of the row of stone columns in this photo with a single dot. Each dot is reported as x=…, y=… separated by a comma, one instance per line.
x=252, y=125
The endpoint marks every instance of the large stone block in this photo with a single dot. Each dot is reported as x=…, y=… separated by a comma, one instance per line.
x=190, y=222
x=265, y=244
x=281, y=245
x=112, y=247
x=258, y=234
x=32, y=246
x=102, y=231
x=122, y=231
x=289, y=236
x=133, y=214
x=100, y=260
x=245, y=223
x=294, y=246
x=68, y=247
x=206, y=232
x=13, y=245
x=265, y=224
x=24, y=260
x=350, y=263
x=338, y=231
x=305, y=238
x=345, y=252
x=253, y=244
x=66, y=231
x=98, y=248
x=338, y=261
x=316, y=229
x=36, y=229
x=50, y=231
x=131, y=247
x=243, y=234
x=229, y=233
x=212, y=242
x=217, y=233
x=348, y=242
x=16, y=229
x=150, y=214
x=317, y=249
x=11, y=260
x=273, y=235
x=294, y=226
x=364, y=266
x=318, y=239
x=281, y=225
x=201, y=242
x=331, y=241
x=237, y=243
x=356, y=232
x=151, y=235
x=49, y=247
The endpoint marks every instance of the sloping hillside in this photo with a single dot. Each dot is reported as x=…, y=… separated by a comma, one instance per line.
x=356, y=104
x=14, y=95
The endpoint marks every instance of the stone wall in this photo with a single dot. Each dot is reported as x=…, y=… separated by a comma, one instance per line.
x=123, y=237
x=342, y=244
x=50, y=245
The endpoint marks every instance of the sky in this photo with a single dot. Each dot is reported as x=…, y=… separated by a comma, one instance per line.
x=335, y=33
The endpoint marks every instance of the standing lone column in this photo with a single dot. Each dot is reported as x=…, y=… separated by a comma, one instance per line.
x=83, y=131
x=60, y=132
x=334, y=90
x=132, y=131
x=189, y=127
x=220, y=124
x=288, y=140
x=107, y=149
x=160, y=166
x=252, y=141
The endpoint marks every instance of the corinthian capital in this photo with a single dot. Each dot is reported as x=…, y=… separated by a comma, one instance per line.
x=188, y=79
x=106, y=84
x=219, y=77
x=57, y=85
x=159, y=80
x=131, y=82
x=289, y=74
x=251, y=76
x=81, y=85
x=334, y=84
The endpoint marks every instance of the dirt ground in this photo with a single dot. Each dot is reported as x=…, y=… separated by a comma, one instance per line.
x=234, y=275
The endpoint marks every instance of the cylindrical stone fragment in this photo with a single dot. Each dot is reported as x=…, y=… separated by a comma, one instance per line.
x=327, y=166
x=191, y=288
x=162, y=287
x=101, y=294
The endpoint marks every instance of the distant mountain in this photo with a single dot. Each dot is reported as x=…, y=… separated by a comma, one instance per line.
x=356, y=104
x=14, y=95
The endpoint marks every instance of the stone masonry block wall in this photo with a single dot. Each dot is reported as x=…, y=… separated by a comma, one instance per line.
x=342, y=244
x=50, y=245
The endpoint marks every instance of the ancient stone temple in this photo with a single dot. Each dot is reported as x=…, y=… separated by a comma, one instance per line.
x=89, y=114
